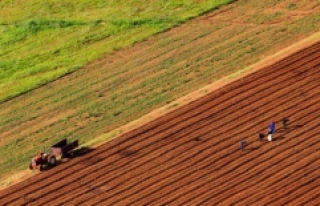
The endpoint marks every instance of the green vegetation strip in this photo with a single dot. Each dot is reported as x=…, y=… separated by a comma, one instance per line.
x=41, y=41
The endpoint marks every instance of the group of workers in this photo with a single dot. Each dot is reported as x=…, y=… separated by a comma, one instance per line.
x=271, y=131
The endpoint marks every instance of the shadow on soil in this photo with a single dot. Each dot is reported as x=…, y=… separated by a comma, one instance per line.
x=278, y=138
x=264, y=141
x=253, y=148
x=81, y=151
x=289, y=128
x=46, y=168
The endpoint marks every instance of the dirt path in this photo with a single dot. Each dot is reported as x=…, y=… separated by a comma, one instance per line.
x=162, y=164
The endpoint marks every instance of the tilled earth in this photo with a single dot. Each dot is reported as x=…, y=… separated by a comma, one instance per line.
x=164, y=163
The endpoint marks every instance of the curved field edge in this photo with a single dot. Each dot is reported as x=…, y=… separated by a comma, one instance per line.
x=40, y=48
x=96, y=99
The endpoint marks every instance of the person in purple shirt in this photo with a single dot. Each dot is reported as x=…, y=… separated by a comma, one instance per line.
x=272, y=127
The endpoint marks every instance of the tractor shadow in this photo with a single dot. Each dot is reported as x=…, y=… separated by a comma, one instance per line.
x=81, y=151
x=47, y=168
x=76, y=153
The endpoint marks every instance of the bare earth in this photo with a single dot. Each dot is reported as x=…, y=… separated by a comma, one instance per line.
x=162, y=164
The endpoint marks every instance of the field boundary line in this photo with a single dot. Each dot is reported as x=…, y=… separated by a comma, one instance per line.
x=204, y=91
x=15, y=178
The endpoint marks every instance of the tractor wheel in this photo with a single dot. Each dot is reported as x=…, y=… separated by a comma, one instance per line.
x=52, y=160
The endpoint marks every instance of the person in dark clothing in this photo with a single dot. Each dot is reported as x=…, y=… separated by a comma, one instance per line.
x=261, y=136
x=243, y=144
x=285, y=123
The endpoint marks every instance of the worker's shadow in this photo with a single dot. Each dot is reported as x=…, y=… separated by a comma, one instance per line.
x=253, y=147
x=289, y=128
x=278, y=138
x=256, y=147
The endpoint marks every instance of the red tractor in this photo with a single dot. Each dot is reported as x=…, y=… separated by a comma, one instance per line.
x=42, y=159
x=60, y=149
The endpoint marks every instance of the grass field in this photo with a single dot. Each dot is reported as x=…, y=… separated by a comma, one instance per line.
x=125, y=85
x=40, y=41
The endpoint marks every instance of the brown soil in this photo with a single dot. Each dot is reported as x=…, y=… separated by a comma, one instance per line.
x=161, y=163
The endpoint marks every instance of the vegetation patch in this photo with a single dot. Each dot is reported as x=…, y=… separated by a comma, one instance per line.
x=62, y=36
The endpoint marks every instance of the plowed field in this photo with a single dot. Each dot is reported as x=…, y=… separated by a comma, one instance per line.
x=130, y=83
x=162, y=164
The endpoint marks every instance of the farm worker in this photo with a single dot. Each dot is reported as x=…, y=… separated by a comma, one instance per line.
x=261, y=136
x=272, y=127
x=269, y=136
x=285, y=122
x=243, y=143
